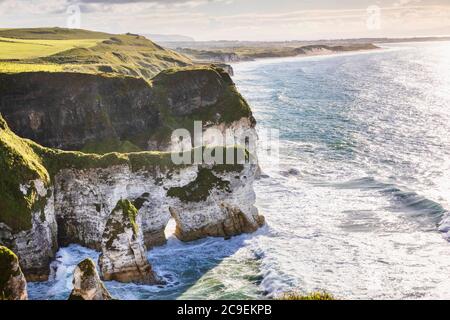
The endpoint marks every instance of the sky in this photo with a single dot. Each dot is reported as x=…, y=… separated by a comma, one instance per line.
x=257, y=20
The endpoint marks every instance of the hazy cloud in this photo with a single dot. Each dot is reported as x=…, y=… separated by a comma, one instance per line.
x=245, y=19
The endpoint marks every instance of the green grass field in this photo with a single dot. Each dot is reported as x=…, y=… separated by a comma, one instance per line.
x=19, y=49
x=12, y=67
x=83, y=51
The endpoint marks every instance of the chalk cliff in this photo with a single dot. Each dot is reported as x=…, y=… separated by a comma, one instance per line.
x=73, y=198
x=124, y=255
x=51, y=198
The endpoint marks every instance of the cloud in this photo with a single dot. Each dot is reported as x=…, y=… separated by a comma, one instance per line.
x=214, y=19
x=400, y=3
x=59, y=6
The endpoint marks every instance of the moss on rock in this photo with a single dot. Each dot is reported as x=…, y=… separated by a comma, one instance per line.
x=110, y=145
x=130, y=212
x=19, y=166
x=7, y=260
x=174, y=87
x=13, y=285
x=199, y=189
x=23, y=161
x=116, y=227
x=87, y=266
x=87, y=284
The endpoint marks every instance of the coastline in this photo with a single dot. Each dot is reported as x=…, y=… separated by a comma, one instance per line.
x=382, y=47
x=310, y=56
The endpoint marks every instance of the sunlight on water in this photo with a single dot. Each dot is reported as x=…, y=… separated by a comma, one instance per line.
x=359, y=203
x=368, y=137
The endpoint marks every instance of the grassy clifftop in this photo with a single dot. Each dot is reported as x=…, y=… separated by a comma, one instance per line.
x=52, y=34
x=72, y=50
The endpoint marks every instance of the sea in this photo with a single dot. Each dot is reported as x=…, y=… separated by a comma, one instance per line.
x=356, y=199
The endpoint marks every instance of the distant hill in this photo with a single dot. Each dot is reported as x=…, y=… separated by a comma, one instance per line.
x=75, y=50
x=169, y=38
x=52, y=34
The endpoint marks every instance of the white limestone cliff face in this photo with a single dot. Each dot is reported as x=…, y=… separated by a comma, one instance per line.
x=232, y=134
x=35, y=247
x=224, y=213
x=79, y=202
x=85, y=198
x=87, y=284
x=241, y=132
x=124, y=255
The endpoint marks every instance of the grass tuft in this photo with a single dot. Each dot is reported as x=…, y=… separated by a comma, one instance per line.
x=312, y=296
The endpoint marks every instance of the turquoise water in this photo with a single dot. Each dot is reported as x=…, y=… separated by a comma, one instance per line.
x=357, y=204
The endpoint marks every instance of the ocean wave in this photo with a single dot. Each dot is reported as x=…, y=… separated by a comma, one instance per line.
x=405, y=201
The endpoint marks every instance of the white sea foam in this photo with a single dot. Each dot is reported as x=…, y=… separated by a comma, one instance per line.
x=358, y=204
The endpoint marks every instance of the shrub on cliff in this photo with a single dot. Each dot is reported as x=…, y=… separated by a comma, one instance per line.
x=311, y=296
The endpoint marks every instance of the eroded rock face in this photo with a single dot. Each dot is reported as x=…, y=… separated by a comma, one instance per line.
x=87, y=284
x=73, y=111
x=223, y=207
x=78, y=202
x=13, y=285
x=123, y=256
x=226, y=211
x=37, y=246
x=67, y=110
x=84, y=200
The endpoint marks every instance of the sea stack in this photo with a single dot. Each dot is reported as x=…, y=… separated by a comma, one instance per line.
x=13, y=285
x=123, y=256
x=87, y=284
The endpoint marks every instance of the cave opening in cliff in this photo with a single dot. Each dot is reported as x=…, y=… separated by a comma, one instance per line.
x=169, y=231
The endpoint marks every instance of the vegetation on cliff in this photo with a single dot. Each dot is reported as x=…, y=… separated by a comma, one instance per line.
x=23, y=161
x=312, y=296
x=7, y=258
x=130, y=212
x=13, y=285
x=98, y=114
x=199, y=189
x=84, y=51
x=87, y=284
x=17, y=49
x=19, y=167
x=220, y=52
x=174, y=87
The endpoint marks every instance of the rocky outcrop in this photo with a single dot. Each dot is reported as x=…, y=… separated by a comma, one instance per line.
x=13, y=285
x=101, y=114
x=27, y=215
x=37, y=246
x=123, y=256
x=87, y=284
x=51, y=198
x=216, y=204
x=84, y=199
x=70, y=110
x=210, y=56
x=76, y=202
